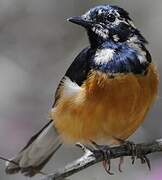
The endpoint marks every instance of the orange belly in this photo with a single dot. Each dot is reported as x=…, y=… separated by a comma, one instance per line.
x=106, y=107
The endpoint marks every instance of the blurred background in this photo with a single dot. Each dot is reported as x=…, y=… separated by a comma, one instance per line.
x=37, y=45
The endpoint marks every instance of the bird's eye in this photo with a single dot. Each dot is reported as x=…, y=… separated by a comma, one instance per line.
x=111, y=18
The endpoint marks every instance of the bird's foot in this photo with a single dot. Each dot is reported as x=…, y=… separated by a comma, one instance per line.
x=106, y=153
x=136, y=152
x=144, y=159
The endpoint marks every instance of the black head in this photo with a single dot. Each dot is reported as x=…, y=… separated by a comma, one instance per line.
x=108, y=22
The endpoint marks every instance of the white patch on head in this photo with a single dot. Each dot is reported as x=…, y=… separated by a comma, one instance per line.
x=133, y=39
x=103, y=56
x=116, y=38
x=116, y=12
x=131, y=23
x=118, y=21
x=104, y=33
x=87, y=14
x=70, y=88
x=100, y=11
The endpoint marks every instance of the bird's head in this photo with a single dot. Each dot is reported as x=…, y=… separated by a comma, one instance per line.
x=108, y=22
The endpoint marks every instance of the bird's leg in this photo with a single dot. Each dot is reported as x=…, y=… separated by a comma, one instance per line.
x=136, y=152
x=105, y=151
x=144, y=159
x=121, y=159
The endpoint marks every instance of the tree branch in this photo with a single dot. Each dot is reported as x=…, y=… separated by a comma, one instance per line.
x=89, y=159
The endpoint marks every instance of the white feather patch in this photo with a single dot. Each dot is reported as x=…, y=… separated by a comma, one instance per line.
x=116, y=38
x=99, y=30
x=70, y=88
x=133, y=44
x=103, y=56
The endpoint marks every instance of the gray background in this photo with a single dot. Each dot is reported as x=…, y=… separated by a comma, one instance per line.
x=37, y=45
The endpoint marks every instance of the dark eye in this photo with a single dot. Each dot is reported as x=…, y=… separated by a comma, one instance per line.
x=111, y=18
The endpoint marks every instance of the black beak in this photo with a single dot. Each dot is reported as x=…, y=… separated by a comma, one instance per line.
x=80, y=21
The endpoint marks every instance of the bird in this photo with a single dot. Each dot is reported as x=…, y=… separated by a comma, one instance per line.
x=104, y=95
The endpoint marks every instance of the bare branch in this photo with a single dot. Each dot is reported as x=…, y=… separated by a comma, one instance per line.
x=89, y=159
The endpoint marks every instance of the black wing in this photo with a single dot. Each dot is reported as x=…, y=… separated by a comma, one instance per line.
x=78, y=70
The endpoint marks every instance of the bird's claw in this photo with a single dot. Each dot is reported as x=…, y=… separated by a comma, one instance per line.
x=106, y=153
x=136, y=153
x=144, y=159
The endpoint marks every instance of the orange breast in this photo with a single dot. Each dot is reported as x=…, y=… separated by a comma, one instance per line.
x=106, y=107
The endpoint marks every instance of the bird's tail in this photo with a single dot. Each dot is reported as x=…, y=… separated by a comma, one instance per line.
x=31, y=159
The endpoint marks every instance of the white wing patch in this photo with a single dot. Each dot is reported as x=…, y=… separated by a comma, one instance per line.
x=103, y=56
x=70, y=88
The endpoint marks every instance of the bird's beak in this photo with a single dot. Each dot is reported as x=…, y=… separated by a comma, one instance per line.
x=80, y=21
